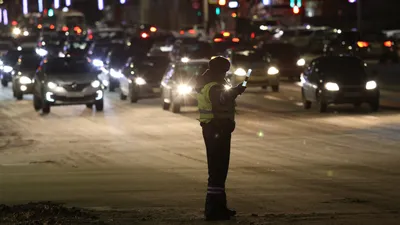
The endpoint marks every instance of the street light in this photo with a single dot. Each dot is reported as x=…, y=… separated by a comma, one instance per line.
x=25, y=6
x=5, y=17
x=56, y=4
x=122, y=1
x=67, y=2
x=100, y=4
x=40, y=5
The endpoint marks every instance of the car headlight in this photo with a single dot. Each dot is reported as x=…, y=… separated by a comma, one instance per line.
x=7, y=69
x=1, y=63
x=116, y=74
x=330, y=86
x=185, y=59
x=61, y=55
x=96, y=84
x=41, y=52
x=98, y=63
x=240, y=72
x=140, y=81
x=272, y=70
x=301, y=62
x=25, y=80
x=16, y=31
x=371, y=85
x=26, y=33
x=184, y=89
x=51, y=85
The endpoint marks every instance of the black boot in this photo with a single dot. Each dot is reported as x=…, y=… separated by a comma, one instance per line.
x=215, y=209
x=229, y=211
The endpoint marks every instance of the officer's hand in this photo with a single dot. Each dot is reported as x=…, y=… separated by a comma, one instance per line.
x=240, y=89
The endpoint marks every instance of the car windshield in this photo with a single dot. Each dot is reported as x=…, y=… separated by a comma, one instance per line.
x=281, y=50
x=191, y=69
x=248, y=56
x=70, y=67
x=30, y=62
x=342, y=68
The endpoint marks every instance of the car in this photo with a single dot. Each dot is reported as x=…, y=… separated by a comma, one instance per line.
x=287, y=57
x=7, y=63
x=220, y=43
x=98, y=51
x=366, y=45
x=195, y=31
x=67, y=81
x=113, y=65
x=74, y=48
x=177, y=85
x=264, y=72
x=23, y=74
x=338, y=80
x=192, y=49
x=142, y=77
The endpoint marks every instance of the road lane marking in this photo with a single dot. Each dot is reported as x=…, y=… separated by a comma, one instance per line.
x=270, y=97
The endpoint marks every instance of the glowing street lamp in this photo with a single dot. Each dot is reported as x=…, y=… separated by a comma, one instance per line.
x=40, y=5
x=67, y=2
x=100, y=4
x=25, y=6
x=56, y=4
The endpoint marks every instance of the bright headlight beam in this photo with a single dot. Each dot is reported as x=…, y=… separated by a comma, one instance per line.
x=185, y=59
x=301, y=62
x=51, y=85
x=7, y=69
x=25, y=80
x=16, y=31
x=98, y=63
x=371, y=85
x=41, y=52
x=96, y=84
x=240, y=72
x=140, y=81
x=184, y=89
x=115, y=73
x=272, y=71
x=330, y=86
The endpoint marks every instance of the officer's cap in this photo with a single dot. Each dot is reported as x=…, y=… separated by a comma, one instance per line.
x=219, y=64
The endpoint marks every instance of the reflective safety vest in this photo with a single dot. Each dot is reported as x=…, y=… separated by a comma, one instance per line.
x=207, y=113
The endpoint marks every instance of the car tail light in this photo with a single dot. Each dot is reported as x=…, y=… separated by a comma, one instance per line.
x=14, y=23
x=217, y=39
x=182, y=32
x=153, y=29
x=77, y=29
x=144, y=35
x=226, y=34
x=191, y=31
x=90, y=36
x=362, y=44
x=52, y=27
x=64, y=28
x=235, y=39
x=39, y=26
x=388, y=44
x=253, y=35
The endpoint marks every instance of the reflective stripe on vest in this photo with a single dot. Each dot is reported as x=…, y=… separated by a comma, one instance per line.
x=204, y=103
x=205, y=106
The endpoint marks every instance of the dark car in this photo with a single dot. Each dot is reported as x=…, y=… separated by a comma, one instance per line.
x=24, y=72
x=113, y=66
x=366, y=45
x=287, y=57
x=177, y=85
x=51, y=44
x=99, y=49
x=338, y=80
x=194, y=50
x=67, y=81
x=74, y=48
x=264, y=72
x=8, y=62
x=142, y=77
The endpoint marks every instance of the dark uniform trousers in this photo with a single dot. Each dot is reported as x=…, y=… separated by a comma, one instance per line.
x=217, y=137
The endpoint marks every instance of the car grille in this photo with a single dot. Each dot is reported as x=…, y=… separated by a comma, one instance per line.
x=259, y=72
x=75, y=87
x=352, y=88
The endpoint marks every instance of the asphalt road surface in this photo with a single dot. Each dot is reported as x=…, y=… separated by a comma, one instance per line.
x=138, y=164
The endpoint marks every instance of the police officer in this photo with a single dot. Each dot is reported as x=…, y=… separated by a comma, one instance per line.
x=217, y=118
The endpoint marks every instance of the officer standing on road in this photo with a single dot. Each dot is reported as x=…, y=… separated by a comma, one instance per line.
x=217, y=118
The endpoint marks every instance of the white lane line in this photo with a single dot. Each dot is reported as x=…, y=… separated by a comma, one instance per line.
x=273, y=98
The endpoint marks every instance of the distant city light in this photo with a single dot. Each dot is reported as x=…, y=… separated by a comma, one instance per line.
x=122, y=1
x=1, y=15
x=25, y=6
x=56, y=4
x=65, y=9
x=5, y=17
x=267, y=2
x=40, y=5
x=352, y=1
x=100, y=4
x=233, y=4
x=68, y=2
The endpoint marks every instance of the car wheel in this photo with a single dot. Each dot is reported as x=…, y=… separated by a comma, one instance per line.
x=37, y=103
x=374, y=105
x=176, y=107
x=46, y=108
x=306, y=104
x=99, y=105
x=4, y=83
x=89, y=105
x=122, y=96
x=133, y=95
x=275, y=88
x=264, y=87
x=19, y=95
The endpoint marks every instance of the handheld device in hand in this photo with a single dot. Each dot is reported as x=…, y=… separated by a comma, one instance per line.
x=247, y=78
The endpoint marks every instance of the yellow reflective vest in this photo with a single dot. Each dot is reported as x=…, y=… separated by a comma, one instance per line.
x=207, y=113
